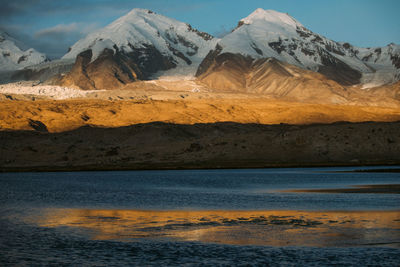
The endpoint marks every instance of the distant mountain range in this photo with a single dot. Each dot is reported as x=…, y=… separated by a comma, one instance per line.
x=268, y=52
x=13, y=56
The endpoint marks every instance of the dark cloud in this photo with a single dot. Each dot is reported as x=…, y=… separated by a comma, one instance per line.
x=87, y=8
x=33, y=8
x=12, y=8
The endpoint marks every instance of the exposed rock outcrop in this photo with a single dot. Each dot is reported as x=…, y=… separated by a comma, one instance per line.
x=108, y=71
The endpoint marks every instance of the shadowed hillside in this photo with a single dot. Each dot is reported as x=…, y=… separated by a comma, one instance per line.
x=213, y=145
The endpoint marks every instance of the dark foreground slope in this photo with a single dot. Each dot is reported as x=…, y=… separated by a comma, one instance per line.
x=214, y=145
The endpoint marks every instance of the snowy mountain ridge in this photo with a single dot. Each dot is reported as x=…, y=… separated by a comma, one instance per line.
x=141, y=45
x=268, y=33
x=14, y=57
x=145, y=31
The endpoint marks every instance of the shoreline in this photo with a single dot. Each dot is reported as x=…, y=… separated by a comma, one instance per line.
x=233, y=166
x=355, y=189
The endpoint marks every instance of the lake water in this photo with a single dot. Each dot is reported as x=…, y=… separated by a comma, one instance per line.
x=227, y=217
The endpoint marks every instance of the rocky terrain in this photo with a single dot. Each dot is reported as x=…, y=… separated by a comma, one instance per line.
x=177, y=108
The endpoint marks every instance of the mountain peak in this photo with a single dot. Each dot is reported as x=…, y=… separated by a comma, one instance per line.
x=136, y=11
x=142, y=30
x=272, y=34
x=271, y=16
x=139, y=45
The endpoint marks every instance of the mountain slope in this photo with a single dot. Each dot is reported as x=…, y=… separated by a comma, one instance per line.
x=229, y=72
x=137, y=46
x=268, y=33
x=234, y=72
x=14, y=57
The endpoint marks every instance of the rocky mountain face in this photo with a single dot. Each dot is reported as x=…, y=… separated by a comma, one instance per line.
x=234, y=72
x=13, y=56
x=270, y=34
x=135, y=47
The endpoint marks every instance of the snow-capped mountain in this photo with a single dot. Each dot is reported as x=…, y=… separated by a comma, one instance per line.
x=144, y=45
x=268, y=33
x=14, y=57
x=148, y=42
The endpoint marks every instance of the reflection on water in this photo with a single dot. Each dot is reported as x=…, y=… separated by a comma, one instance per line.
x=103, y=218
x=273, y=228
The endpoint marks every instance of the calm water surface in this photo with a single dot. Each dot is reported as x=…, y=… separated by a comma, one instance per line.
x=54, y=218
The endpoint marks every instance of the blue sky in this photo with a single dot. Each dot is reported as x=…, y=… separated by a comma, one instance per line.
x=51, y=26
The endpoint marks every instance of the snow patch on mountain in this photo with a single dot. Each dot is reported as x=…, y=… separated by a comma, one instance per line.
x=49, y=91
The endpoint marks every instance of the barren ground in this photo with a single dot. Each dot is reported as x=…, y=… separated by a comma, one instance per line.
x=141, y=129
x=64, y=115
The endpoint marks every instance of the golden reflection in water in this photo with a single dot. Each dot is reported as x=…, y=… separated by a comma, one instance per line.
x=274, y=228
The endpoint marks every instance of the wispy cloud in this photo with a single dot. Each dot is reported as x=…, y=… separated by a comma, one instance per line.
x=59, y=31
x=55, y=40
x=66, y=31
